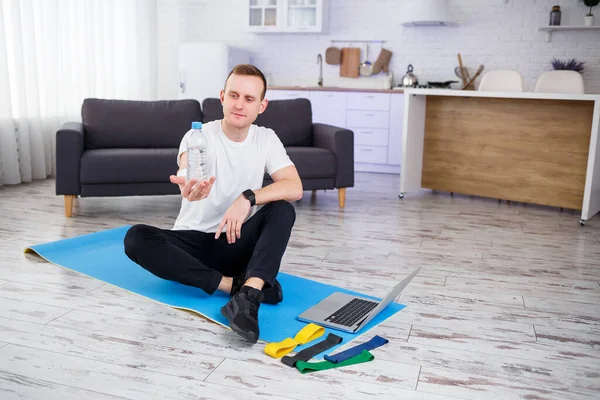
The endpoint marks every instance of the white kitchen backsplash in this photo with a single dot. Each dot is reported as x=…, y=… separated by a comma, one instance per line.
x=500, y=34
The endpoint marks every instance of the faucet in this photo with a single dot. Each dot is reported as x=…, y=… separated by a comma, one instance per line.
x=320, y=62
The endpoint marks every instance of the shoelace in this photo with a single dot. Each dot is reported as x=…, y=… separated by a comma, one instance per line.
x=253, y=309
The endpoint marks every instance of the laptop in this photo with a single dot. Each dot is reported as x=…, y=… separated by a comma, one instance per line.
x=349, y=313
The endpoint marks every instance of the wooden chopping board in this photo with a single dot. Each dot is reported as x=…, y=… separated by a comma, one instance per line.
x=350, y=62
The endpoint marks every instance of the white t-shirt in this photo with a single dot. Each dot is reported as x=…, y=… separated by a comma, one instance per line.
x=237, y=166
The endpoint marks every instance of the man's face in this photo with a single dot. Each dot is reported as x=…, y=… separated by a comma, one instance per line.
x=241, y=100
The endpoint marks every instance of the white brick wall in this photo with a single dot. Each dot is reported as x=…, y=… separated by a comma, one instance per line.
x=496, y=33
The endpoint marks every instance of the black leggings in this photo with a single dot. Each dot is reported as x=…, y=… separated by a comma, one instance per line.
x=198, y=259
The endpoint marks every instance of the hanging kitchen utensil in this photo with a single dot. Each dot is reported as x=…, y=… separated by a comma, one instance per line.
x=366, y=68
x=350, y=62
x=464, y=73
x=332, y=55
x=382, y=62
x=409, y=79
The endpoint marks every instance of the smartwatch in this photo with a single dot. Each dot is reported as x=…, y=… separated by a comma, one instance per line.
x=249, y=194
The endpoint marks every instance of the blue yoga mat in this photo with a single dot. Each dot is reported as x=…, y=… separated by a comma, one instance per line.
x=101, y=255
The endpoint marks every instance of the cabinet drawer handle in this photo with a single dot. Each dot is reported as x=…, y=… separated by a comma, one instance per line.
x=369, y=97
x=367, y=132
x=329, y=95
x=366, y=149
x=369, y=115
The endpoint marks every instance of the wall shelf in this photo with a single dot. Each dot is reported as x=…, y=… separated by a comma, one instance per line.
x=550, y=29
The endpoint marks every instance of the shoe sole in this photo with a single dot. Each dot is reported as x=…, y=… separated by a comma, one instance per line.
x=249, y=336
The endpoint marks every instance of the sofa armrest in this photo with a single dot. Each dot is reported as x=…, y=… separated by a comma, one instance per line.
x=69, y=149
x=340, y=142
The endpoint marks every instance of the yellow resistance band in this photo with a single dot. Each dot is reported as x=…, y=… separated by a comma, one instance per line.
x=305, y=335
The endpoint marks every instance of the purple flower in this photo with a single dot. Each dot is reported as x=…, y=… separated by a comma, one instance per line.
x=571, y=65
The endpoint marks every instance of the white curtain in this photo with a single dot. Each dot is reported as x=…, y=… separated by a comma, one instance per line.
x=54, y=54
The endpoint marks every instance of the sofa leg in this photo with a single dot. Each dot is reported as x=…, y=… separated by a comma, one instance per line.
x=342, y=197
x=69, y=205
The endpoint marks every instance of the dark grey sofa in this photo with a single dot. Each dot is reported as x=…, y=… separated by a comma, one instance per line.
x=129, y=148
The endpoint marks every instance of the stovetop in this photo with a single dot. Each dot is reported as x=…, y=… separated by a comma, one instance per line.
x=425, y=86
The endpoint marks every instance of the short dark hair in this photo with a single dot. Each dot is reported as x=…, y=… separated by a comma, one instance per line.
x=249, y=70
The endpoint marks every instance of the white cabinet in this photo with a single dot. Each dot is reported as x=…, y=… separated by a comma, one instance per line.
x=287, y=94
x=369, y=155
x=371, y=137
x=374, y=117
x=286, y=15
x=369, y=101
x=368, y=116
x=329, y=107
x=368, y=119
x=396, y=125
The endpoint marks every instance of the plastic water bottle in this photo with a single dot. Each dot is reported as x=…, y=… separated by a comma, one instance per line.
x=196, y=147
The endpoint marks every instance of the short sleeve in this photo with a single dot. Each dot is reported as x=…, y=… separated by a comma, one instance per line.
x=277, y=157
x=182, y=147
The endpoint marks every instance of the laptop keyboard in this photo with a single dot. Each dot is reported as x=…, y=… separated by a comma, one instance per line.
x=350, y=313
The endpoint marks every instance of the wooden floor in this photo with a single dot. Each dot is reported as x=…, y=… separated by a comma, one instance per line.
x=506, y=306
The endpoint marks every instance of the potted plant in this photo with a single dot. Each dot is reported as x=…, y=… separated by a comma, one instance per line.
x=589, y=17
x=571, y=65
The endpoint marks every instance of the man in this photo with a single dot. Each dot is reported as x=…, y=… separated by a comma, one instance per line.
x=231, y=233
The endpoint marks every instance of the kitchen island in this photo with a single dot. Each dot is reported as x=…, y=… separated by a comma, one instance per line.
x=539, y=148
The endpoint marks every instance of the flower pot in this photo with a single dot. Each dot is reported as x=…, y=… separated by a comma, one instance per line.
x=588, y=20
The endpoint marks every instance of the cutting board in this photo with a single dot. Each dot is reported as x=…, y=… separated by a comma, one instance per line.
x=350, y=62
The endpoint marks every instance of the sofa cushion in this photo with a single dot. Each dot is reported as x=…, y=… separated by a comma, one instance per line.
x=290, y=119
x=312, y=162
x=128, y=165
x=137, y=124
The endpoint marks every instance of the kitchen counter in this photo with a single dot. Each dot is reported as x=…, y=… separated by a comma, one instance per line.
x=333, y=89
x=539, y=148
x=503, y=95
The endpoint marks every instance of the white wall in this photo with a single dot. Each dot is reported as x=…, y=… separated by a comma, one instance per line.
x=496, y=33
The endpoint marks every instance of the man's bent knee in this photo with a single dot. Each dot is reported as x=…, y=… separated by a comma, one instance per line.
x=284, y=210
x=133, y=238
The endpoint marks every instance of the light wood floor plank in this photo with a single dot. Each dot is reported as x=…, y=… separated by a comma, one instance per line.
x=30, y=312
x=528, y=372
x=14, y=386
x=129, y=382
x=451, y=382
x=576, y=338
x=281, y=379
x=494, y=343
x=110, y=349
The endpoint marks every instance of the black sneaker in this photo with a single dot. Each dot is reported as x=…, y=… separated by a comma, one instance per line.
x=242, y=312
x=272, y=294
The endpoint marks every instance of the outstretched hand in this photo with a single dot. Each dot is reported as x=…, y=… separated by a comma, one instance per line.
x=194, y=189
x=233, y=219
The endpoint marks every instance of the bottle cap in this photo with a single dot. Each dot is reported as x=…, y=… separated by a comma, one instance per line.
x=196, y=125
